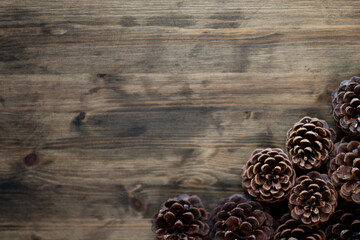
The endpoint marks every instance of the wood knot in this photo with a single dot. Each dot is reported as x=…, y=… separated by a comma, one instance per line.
x=324, y=97
x=79, y=118
x=31, y=159
x=34, y=237
x=101, y=75
x=137, y=204
x=2, y=101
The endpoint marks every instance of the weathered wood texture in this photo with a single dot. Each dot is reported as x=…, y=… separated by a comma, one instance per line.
x=110, y=107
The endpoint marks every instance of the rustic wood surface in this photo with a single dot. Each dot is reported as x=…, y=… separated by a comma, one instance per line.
x=109, y=107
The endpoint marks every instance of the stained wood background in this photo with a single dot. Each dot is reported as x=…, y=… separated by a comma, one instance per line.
x=110, y=107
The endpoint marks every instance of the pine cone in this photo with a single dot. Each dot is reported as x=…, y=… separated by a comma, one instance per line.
x=344, y=224
x=344, y=169
x=310, y=142
x=181, y=218
x=313, y=198
x=238, y=217
x=296, y=230
x=268, y=175
x=346, y=105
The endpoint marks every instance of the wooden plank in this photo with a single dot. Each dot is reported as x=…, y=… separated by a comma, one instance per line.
x=126, y=92
x=111, y=229
x=113, y=37
x=110, y=107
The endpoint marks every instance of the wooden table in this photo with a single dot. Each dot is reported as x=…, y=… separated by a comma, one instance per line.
x=109, y=107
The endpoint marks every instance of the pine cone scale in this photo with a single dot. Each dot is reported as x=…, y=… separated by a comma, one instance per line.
x=193, y=229
x=169, y=217
x=188, y=217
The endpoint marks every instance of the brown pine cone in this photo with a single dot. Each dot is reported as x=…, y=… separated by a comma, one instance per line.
x=238, y=217
x=310, y=142
x=313, y=198
x=181, y=218
x=344, y=169
x=268, y=175
x=344, y=224
x=346, y=105
x=290, y=229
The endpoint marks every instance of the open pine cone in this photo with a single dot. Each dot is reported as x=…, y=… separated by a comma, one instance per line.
x=290, y=229
x=344, y=224
x=313, y=198
x=346, y=105
x=181, y=218
x=344, y=169
x=268, y=175
x=238, y=217
x=310, y=142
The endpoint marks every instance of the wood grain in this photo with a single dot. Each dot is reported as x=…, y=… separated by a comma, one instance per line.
x=110, y=107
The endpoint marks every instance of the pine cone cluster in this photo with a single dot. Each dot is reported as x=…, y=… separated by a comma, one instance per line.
x=181, y=218
x=239, y=217
x=344, y=169
x=310, y=142
x=346, y=105
x=313, y=198
x=300, y=179
x=268, y=175
x=292, y=230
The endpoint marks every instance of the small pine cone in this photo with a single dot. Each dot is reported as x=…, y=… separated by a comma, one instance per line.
x=346, y=105
x=268, y=175
x=313, y=198
x=181, y=218
x=344, y=169
x=290, y=229
x=238, y=217
x=344, y=224
x=310, y=142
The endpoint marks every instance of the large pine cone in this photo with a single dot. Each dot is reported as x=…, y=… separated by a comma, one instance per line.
x=290, y=229
x=310, y=142
x=313, y=198
x=344, y=224
x=344, y=169
x=346, y=105
x=238, y=217
x=181, y=218
x=268, y=175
